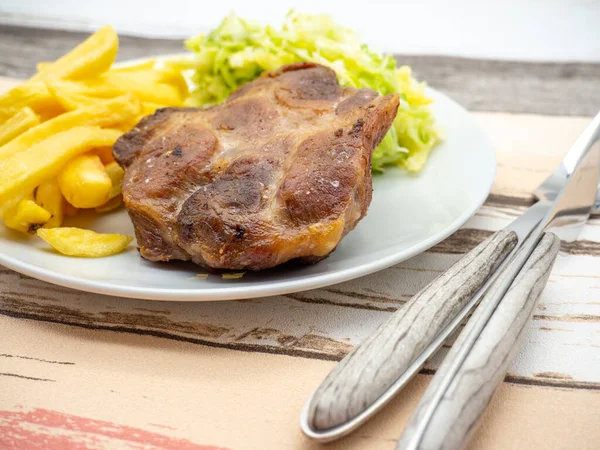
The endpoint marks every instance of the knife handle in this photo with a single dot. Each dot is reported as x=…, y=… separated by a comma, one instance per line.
x=367, y=372
x=466, y=397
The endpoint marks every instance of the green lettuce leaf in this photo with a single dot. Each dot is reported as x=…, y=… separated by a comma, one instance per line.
x=238, y=51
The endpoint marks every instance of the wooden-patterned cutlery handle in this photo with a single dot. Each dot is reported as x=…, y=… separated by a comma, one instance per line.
x=372, y=367
x=466, y=397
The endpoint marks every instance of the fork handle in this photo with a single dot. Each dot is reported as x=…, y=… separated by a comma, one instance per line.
x=471, y=389
x=360, y=379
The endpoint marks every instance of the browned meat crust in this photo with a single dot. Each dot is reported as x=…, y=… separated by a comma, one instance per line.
x=279, y=171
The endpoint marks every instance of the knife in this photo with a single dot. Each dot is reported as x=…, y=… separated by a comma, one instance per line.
x=369, y=376
x=475, y=366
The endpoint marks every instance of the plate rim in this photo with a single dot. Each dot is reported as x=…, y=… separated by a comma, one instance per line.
x=260, y=290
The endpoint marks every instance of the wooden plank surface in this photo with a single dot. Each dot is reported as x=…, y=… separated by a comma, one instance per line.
x=78, y=388
x=102, y=371
x=479, y=85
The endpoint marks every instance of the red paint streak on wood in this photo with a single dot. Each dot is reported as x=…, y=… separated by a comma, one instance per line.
x=53, y=430
x=162, y=426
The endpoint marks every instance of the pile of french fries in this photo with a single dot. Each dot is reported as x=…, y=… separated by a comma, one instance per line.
x=56, y=135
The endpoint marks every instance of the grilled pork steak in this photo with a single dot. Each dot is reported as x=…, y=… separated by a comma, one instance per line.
x=279, y=171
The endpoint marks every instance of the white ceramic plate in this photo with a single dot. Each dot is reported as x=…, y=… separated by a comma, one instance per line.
x=408, y=215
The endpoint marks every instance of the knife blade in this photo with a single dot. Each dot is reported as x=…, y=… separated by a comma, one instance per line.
x=369, y=376
x=462, y=387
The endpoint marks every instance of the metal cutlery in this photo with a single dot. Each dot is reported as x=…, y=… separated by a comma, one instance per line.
x=475, y=366
x=465, y=382
x=510, y=268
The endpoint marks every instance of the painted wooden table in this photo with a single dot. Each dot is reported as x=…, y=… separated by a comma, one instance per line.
x=80, y=370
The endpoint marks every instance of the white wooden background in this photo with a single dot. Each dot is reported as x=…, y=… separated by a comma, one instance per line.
x=533, y=30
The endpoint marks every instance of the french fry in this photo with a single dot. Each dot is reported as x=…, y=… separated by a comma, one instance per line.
x=84, y=182
x=49, y=197
x=50, y=112
x=145, y=65
x=84, y=243
x=150, y=108
x=105, y=113
x=70, y=210
x=68, y=100
x=147, y=86
x=115, y=173
x=43, y=65
x=171, y=73
x=6, y=113
x=177, y=80
x=151, y=86
x=93, y=88
x=93, y=56
x=110, y=205
x=127, y=126
x=35, y=95
x=26, y=217
x=105, y=154
x=22, y=172
x=18, y=124
x=57, y=131
x=178, y=64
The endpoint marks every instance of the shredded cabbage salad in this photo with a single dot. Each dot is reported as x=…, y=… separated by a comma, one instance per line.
x=238, y=51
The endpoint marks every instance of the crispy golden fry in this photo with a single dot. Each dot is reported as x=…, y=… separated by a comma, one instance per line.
x=26, y=217
x=21, y=173
x=68, y=100
x=49, y=197
x=115, y=173
x=93, y=56
x=84, y=182
x=53, y=136
x=147, y=86
x=150, y=108
x=127, y=126
x=94, y=88
x=70, y=210
x=105, y=154
x=18, y=124
x=178, y=80
x=6, y=112
x=105, y=113
x=44, y=65
x=84, y=243
x=145, y=65
x=35, y=95
x=178, y=65
x=110, y=205
x=171, y=73
x=156, y=86
x=50, y=112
